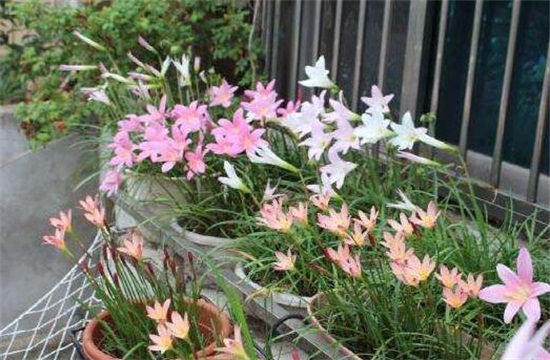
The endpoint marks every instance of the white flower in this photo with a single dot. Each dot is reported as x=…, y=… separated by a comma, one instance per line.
x=377, y=99
x=374, y=128
x=264, y=155
x=417, y=159
x=146, y=45
x=121, y=79
x=184, y=78
x=405, y=204
x=318, y=141
x=407, y=135
x=232, y=180
x=65, y=67
x=325, y=188
x=301, y=123
x=318, y=75
x=269, y=192
x=337, y=169
x=97, y=94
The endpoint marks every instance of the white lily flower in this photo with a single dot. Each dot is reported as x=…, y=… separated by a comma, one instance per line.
x=97, y=94
x=337, y=169
x=301, y=123
x=317, y=75
x=406, y=204
x=377, y=99
x=325, y=188
x=269, y=192
x=264, y=155
x=232, y=180
x=374, y=128
x=196, y=63
x=417, y=159
x=407, y=135
x=184, y=78
x=119, y=78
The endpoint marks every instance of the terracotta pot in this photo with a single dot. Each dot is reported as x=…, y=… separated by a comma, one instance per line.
x=340, y=351
x=285, y=299
x=208, y=315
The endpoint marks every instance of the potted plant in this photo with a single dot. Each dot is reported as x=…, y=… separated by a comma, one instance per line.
x=147, y=310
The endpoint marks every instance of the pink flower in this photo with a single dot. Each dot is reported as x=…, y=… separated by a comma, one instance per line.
x=321, y=201
x=343, y=258
x=133, y=247
x=111, y=183
x=518, y=291
x=337, y=169
x=131, y=123
x=158, y=312
x=472, y=286
x=163, y=341
x=448, y=278
x=284, y=262
x=336, y=222
x=404, y=226
x=233, y=349
x=263, y=104
x=123, y=149
x=236, y=136
x=93, y=211
x=157, y=115
x=179, y=327
x=377, y=99
x=357, y=237
x=195, y=162
x=352, y=266
x=299, y=213
x=222, y=95
x=290, y=108
x=454, y=299
x=190, y=118
x=420, y=270
x=368, y=222
x=57, y=240
x=273, y=216
x=526, y=345
x=427, y=219
x=64, y=222
x=339, y=256
x=397, y=250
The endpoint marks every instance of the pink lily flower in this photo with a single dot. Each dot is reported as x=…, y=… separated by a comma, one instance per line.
x=158, y=312
x=163, y=341
x=352, y=266
x=64, y=222
x=454, y=299
x=448, y=278
x=93, y=211
x=179, y=327
x=472, y=286
x=404, y=226
x=57, y=240
x=320, y=201
x=299, y=213
x=222, y=95
x=518, y=291
x=124, y=150
x=190, y=118
x=291, y=108
x=195, y=162
x=111, y=183
x=340, y=255
x=368, y=222
x=273, y=216
x=358, y=237
x=156, y=114
x=133, y=247
x=233, y=349
x=284, y=262
x=336, y=222
x=427, y=219
x=397, y=250
x=421, y=270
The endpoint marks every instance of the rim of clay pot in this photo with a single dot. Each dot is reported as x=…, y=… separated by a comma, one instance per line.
x=319, y=300
x=93, y=330
x=286, y=299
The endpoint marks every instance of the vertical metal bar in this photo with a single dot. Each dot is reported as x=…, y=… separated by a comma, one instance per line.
x=268, y=34
x=474, y=44
x=384, y=43
x=542, y=122
x=263, y=4
x=275, y=47
x=413, y=57
x=439, y=55
x=496, y=162
x=316, y=30
x=336, y=43
x=295, y=49
x=358, y=54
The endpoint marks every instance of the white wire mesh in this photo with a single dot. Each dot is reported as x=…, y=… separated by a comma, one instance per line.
x=44, y=330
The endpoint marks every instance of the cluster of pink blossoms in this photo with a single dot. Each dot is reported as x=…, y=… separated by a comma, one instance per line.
x=184, y=134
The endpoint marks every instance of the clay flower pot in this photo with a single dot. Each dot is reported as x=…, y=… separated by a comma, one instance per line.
x=209, y=316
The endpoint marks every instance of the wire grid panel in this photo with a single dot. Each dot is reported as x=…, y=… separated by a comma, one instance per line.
x=44, y=331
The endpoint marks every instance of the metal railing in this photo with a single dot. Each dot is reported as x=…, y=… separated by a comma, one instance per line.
x=294, y=34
